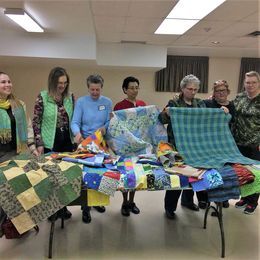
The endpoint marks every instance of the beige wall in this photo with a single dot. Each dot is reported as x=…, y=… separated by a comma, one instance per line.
x=29, y=80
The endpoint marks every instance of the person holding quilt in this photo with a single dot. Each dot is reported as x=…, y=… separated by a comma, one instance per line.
x=130, y=87
x=246, y=129
x=16, y=134
x=52, y=116
x=92, y=112
x=189, y=86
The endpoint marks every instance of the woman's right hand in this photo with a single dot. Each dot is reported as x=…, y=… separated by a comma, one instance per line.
x=78, y=138
x=40, y=150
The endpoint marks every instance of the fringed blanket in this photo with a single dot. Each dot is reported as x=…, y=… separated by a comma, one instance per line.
x=203, y=137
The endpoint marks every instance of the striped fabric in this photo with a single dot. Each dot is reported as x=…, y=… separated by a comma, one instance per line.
x=203, y=137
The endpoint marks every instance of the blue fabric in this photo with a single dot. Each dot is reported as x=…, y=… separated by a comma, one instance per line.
x=230, y=187
x=135, y=131
x=92, y=180
x=90, y=115
x=211, y=179
x=203, y=137
x=162, y=179
x=184, y=181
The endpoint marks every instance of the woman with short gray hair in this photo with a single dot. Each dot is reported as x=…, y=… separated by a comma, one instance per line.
x=189, y=86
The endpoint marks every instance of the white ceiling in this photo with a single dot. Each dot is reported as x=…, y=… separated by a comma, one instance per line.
x=75, y=29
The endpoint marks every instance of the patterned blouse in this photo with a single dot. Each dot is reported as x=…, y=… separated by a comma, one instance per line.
x=62, y=118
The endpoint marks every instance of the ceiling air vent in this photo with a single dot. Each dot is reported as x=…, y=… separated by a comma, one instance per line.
x=254, y=34
x=138, y=42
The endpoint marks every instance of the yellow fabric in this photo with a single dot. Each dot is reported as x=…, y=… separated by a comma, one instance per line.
x=23, y=222
x=13, y=172
x=175, y=181
x=5, y=104
x=96, y=198
x=28, y=198
x=36, y=177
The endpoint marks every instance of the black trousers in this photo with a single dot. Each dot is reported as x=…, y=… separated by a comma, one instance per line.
x=252, y=153
x=172, y=196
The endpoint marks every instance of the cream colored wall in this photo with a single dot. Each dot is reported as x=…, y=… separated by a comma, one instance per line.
x=28, y=81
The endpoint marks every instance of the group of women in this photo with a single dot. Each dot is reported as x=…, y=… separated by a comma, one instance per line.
x=60, y=123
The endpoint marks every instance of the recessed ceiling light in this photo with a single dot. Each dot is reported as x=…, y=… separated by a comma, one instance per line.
x=23, y=19
x=215, y=42
x=185, y=11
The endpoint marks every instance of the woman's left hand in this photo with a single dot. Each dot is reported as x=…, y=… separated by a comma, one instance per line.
x=225, y=109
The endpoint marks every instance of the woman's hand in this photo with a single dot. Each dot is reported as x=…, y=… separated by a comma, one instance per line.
x=225, y=109
x=40, y=150
x=78, y=138
x=166, y=110
x=103, y=130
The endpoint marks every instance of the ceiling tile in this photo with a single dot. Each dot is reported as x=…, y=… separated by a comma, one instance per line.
x=109, y=24
x=104, y=36
x=238, y=29
x=189, y=40
x=141, y=25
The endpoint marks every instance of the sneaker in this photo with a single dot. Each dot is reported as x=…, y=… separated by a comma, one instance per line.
x=241, y=204
x=133, y=208
x=100, y=209
x=125, y=210
x=250, y=209
x=170, y=214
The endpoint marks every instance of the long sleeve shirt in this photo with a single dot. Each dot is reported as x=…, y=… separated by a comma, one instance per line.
x=90, y=115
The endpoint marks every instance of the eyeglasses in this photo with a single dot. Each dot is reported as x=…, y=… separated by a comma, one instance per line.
x=220, y=91
x=134, y=88
x=192, y=89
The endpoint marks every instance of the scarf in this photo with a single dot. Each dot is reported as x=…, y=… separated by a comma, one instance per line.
x=5, y=104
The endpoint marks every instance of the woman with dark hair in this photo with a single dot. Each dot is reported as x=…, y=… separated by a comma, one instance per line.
x=16, y=134
x=130, y=87
x=189, y=87
x=53, y=111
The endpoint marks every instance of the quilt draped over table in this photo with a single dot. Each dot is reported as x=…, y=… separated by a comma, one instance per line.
x=31, y=191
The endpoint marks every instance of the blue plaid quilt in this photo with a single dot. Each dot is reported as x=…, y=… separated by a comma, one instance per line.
x=203, y=137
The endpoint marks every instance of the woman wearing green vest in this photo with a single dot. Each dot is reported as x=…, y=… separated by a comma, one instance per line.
x=52, y=116
x=16, y=134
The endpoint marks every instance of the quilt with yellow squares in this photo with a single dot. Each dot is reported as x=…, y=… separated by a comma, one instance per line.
x=31, y=190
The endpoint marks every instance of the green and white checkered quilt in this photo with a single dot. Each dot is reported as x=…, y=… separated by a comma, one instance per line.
x=31, y=191
x=203, y=137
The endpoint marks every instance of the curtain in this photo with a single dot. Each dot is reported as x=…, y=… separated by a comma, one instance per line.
x=246, y=65
x=168, y=79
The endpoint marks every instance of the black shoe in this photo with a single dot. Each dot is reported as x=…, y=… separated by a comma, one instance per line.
x=125, y=210
x=133, y=208
x=100, y=209
x=86, y=217
x=214, y=214
x=170, y=214
x=225, y=204
x=191, y=206
x=65, y=213
x=202, y=204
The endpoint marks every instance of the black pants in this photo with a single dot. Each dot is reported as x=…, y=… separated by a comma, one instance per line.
x=172, y=196
x=252, y=153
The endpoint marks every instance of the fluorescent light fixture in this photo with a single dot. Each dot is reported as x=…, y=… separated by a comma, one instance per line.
x=175, y=26
x=185, y=14
x=23, y=19
x=194, y=9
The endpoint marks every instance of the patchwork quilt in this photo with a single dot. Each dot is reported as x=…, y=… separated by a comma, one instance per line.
x=203, y=137
x=135, y=131
x=31, y=190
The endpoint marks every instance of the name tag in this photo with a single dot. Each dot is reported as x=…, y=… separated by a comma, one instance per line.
x=102, y=107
